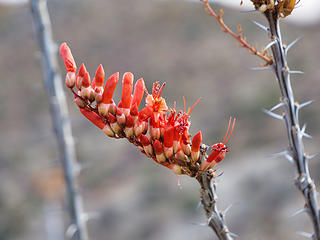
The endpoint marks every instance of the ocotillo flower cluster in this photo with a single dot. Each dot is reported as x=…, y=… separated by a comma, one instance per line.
x=161, y=133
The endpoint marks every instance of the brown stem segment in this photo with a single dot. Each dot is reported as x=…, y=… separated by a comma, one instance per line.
x=59, y=111
x=242, y=40
x=303, y=180
x=209, y=202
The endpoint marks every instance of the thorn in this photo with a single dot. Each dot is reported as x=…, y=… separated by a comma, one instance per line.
x=261, y=26
x=285, y=154
x=279, y=154
x=272, y=114
x=224, y=213
x=298, y=212
x=296, y=72
x=303, y=129
x=303, y=133
x=304, y=234
x=291, y=44
x=307, y=135
x=91, y=215
x=249, y=11
x=277, y=106
x=308, y=157
x=71, y=230
x=289, y=158
x=85, y=166
x=76, y=168
x=304, y=104
x=234, y=235
x=270, y=44
x=198, y=206
x=261, y=68
x=200, y=224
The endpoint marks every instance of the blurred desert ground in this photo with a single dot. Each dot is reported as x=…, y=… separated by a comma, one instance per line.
x=172, y=41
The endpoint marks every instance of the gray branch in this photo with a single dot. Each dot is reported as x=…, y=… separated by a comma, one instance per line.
x=209, y=202
x=303, y=180
x=59, y=111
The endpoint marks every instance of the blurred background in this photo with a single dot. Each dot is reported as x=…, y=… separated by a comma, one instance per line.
x=133, y=198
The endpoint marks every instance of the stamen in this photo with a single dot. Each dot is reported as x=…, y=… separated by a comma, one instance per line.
x=190, y=110
x=234, y=122
x=227, y=129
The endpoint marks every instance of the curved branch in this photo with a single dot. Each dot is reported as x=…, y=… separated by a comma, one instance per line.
x=242, y=40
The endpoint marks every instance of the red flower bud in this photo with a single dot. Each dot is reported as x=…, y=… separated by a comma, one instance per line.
x=168, y=136
x=144, y=140
x=67, y=57
x=128, y=130
x=134, y=110
x=94, y=118
x=138, y=92
x=158, y=150
x=195, y=148
x=111, y=118
x=127, y=86
x=99, y=77
x=70, y=79
x=196, y=142
x=80, y=75
x=109, y=88
x=113, y=123
x=121, y=118
x=129, y=122
x=86, y=80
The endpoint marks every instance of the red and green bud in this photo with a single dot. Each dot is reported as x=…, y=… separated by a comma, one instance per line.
x=128, y=130
x=113, y=123
x=121, y=118
x=158, y=150
x=70, y=79
x=80, y=103
x=175, y=168
x=82, y=71
x=144, y=140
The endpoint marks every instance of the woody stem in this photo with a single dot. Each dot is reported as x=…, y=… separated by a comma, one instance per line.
x=303, y=180
x=59, y=111
x=209, y=202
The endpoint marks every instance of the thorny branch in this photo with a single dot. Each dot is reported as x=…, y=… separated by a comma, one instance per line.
x=303, y=180
x=264, y=55
x=209, y=202
x=59, y=111
x=209, y=199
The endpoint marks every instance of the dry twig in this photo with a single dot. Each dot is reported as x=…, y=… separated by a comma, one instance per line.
x=239, y=37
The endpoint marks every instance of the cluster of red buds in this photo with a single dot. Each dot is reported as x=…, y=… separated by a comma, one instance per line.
x=161, y=133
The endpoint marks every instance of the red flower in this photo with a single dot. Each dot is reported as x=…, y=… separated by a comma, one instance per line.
x=169, y=142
